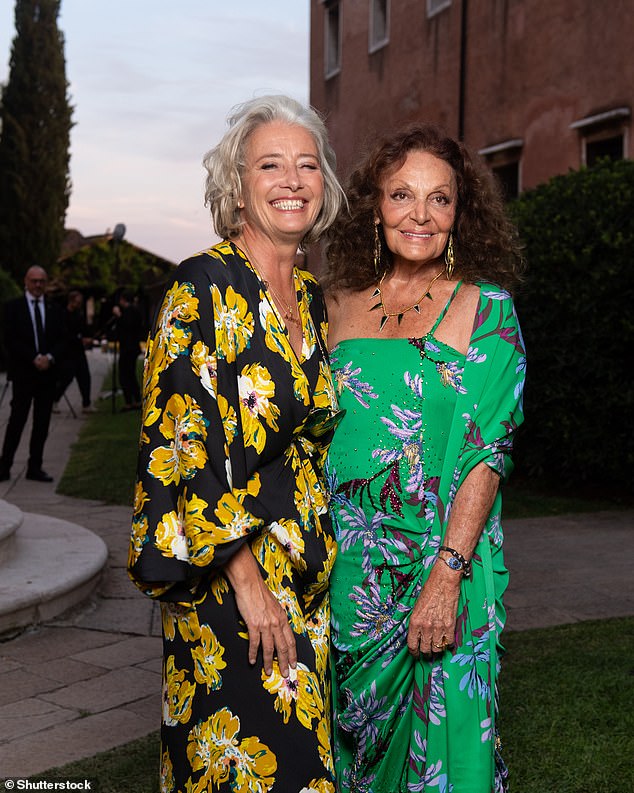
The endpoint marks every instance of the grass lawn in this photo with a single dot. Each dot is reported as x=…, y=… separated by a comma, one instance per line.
x=102, y=463
x=567, y=721
x=567, y=693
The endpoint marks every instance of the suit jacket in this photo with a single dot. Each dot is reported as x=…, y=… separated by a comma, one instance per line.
x=19, y=337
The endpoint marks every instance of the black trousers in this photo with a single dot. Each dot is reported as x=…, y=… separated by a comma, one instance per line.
x=127, y=375
x=37, y=389
x=75, y=368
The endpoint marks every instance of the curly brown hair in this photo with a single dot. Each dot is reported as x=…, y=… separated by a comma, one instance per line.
x=486, y=245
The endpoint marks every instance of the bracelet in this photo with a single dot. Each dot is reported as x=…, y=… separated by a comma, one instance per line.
x=456, y=561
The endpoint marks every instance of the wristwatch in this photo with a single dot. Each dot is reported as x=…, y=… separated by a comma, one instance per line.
x=456, y=561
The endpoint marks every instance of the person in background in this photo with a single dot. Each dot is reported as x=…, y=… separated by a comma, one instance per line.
x=35, y=340
x=128, y=332
x=429, y=364
x=231, y=530
x=74, y=366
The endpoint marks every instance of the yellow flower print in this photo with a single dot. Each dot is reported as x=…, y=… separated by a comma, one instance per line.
x=310, y=343
x=170, y=537
x=229, y=419
x=178, y=694
x=320, y=584
x=205, y=365
x=185, y=533
x=220, y=250
x=324, y=739
x=319, y=786
x=235, y=521
x=288, y=601
x=213, y=748
x=276, y=340
x=150, y=375
x=207, y=657
x=140, y=497
x=325, y=395
x=168, y=783
x=300, y=381
x=289, y=536
x=181, y=616
x=310, y=496
x=318, y=630
x=138, y=538
x=266, y=551
x=255, y=774
x=274, y=333
x=299, y=690
x=279, y=551
x=179, y=308
x=331, y=553
x=233, y=323
x=219, y=587
x=150, y=412
x=255, y=389
x=184, y=426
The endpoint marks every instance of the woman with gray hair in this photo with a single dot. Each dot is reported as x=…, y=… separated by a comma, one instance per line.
x=231, y=529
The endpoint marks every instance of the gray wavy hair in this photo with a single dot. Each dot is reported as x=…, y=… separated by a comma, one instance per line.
x=225, y=162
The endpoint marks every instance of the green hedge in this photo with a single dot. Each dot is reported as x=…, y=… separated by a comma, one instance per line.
x=576, y=308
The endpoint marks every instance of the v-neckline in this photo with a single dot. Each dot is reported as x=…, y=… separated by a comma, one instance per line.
x=300, y=296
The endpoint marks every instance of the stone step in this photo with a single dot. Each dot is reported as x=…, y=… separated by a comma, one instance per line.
x=52, y=565
x=10, y=522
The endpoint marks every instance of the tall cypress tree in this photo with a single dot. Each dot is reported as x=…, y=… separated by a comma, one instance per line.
x=34, y=142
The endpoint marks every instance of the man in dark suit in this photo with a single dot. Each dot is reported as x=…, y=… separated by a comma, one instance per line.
x=34, y=339
x=75, y=364
x=128, y=332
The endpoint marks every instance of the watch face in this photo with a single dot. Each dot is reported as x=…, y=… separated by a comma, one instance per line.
x=454, y=564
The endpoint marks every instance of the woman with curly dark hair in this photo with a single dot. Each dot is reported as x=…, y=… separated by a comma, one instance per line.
x=429, y=361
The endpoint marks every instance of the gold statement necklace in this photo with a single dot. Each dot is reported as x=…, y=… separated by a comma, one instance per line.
x=387, y=315
x=286, y=309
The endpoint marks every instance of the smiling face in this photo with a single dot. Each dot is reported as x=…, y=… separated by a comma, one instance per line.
x=418, y=208
x=283, y=185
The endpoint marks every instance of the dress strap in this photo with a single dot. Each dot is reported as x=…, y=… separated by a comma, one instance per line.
x=442, y=314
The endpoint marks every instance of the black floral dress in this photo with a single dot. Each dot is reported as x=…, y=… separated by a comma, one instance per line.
x=235, y=430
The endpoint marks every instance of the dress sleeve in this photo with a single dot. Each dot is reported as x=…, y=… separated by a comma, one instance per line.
x=494, y=381
x=193, y=498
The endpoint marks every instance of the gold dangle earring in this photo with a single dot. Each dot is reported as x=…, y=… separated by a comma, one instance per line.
x=450, y=259
x=377, y=250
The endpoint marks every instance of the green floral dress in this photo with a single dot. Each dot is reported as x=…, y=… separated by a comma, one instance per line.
x=419, y=417
x=234, y=435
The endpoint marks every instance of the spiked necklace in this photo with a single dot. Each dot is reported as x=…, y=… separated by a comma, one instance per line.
x=399, y=314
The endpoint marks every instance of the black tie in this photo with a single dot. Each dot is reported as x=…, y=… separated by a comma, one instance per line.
x=39, y=326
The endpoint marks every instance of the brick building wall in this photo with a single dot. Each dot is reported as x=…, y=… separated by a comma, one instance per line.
x=537, y=86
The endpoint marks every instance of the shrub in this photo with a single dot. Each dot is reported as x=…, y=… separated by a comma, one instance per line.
x=576, y=311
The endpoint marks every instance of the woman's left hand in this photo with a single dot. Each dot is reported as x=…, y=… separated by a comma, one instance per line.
x=432, y=623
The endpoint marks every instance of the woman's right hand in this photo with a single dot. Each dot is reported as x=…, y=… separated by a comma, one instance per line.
x=267, y=622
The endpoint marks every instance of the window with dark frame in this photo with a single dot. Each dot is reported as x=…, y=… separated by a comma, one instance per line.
x=611, y=148
x=332, y=30
x=508, y=176
x=604, y=134
x=504, y=160
x=379, y=24
x=436, y=6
